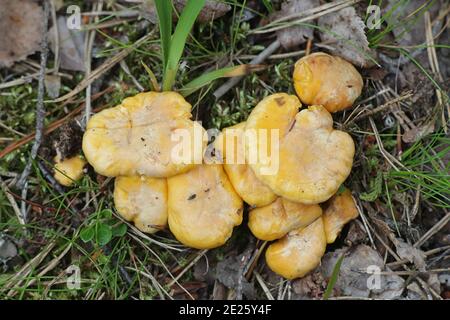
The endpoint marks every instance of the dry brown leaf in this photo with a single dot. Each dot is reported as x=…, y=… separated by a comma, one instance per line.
x=410, y=253
x=353, y=277
x=227, y=272
x=295, y=35
x=8, y=249
x=21, y=25
x=71, y=46
x=52, y=85
x=410, y=27
x=417, y=133
x=344, y=30
x=212, y=10
x=414, y=292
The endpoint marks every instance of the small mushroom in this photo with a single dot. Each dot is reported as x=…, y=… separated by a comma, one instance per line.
x=136, y=137
x=142, y=200
x=321, y=79
x=203, y=207
x=299, y=252
x=280, y=217
x=69, y=170
x=338, y=211
x=241, y=176
x=314, y=159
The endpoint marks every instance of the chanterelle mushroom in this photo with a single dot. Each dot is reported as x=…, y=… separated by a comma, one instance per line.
x=314, y=159
x=142, y=200
x=136, y=137
x=339, y=210
x=299, y=252
x=241, y=176
x=321, y=79
x=203, y=207
x=69, y=170
x=280, y=217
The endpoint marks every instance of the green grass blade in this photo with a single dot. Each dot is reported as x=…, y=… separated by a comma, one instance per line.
x=207, y=78
x=178, y=41
x=334, y=277
x=164, y=10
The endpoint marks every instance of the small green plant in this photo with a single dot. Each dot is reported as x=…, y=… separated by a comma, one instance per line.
x=172, y=47
x=333, y=278
x=375, y=188
x=103, y=228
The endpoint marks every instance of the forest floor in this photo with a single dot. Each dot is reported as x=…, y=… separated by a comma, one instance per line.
x=50, y=234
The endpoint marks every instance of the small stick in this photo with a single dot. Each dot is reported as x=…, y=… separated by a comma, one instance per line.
x=438, y=226
x=90, y=39
x=53, y=126
x=107, y=65
x=11, y=200
x=308, y=47
x=40, y=112
x=263, y=286
x=200, y=254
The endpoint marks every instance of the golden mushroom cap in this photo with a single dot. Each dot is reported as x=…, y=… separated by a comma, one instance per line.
x=135, y=137
x=69, y=170
x=275, y=220
x=321, y=79
x=142, y=200
x=299, y=252
x=241, y=176
x=203, y=207
x=338, y=211
x=314, y=159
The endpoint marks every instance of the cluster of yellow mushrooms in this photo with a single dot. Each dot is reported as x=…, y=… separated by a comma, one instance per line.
x=298, y=206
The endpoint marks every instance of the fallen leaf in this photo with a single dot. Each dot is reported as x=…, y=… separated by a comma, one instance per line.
x=344, y=30
x=410, y=253
x=414, y=292
x=52, y=85
x=8, y=250
x=71, y=46
x=212, y=10
x=354, y=278
x=417, y=133
x=310, y=287
x=409, y=21
x=21, y=25
x=355, y=234
x=227, y=272
x=295, y=35
x=434, y=282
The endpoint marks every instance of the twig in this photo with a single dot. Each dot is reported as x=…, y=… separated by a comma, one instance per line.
x=11, y=200
x=56, y=28
x=383, y=107
x=90, y=38
x=53, y=126
x=427, y=253
x=200, y=254
x=242, y=266
x=438, y=226
x=257, y=60
x=304, y=16
x=263, y=286
x=108, y=64
x=40, y=109
x=50, y=178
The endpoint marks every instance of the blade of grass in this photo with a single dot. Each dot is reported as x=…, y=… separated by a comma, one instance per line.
x=227, y=72
x=178, y=41
x=334, y=277
x=153, y=82
x=164, y=10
